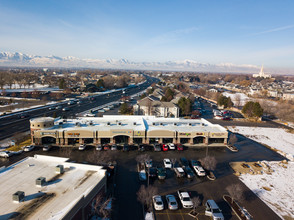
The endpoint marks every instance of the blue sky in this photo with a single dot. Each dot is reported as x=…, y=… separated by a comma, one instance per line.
x=226, y=31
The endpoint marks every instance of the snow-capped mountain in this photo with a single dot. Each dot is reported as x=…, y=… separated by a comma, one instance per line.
x=24, y=60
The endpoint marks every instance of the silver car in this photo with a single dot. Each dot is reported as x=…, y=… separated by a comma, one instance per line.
x=172, y=203
x=157, y=202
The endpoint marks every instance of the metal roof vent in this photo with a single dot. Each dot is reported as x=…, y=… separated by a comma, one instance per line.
x=18, y=196
x=108, y=123
x=61, y=123
x=59, y=169
x=41, y=181
x=91, y=123
x=161, y=123
x=175, y=124
x=119, y=123
x=135, y=123
x=190, y=124
x=78, y=124
x=64, y=120
x=153, y=123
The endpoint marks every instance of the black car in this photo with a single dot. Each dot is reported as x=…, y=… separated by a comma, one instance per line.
x=184, y=162
x=189, y=172
x=152, y=172
x=141, y=148
x=23, y=115
x=126, y=148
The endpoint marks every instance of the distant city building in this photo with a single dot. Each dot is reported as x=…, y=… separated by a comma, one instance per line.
x=262, y=74
x=47, y=187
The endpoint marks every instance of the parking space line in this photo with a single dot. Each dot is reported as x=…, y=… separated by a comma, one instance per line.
x=181, y=214
x=167, y=215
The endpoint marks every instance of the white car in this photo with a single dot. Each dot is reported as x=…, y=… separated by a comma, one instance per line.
x=172, y=203
x=29, y=148
x=157, y=202
x=213, y=210
x=148, y=163
x=82, y=147
x=5, y=154
x=171, y=146
x=99, y=147
x=198, y=168
x=185, y=199
x=46, y=147
x=167, y=163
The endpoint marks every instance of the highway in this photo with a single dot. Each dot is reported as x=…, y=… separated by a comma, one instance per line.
x=12, y=125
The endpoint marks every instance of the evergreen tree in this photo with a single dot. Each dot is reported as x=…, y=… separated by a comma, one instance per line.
x=252, y=109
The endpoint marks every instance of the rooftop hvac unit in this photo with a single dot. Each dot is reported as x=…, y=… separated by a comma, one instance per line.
x=161, y=123
x=202, y=124
x=18, y=196
x=41, y=181
x=108, y=123
x=153, y=123
x=135, y=123
x=190, y=124
x=175, y=124
x=91, y=123
x=59, y=169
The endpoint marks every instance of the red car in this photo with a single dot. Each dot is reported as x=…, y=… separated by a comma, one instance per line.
x=106, y=147
x=164, y=147
x=180, y=147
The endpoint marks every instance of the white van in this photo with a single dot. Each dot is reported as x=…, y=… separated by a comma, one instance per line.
x=213, y=210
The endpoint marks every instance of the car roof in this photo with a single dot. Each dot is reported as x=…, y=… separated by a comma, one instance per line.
x=171, y=197
x=212, y=204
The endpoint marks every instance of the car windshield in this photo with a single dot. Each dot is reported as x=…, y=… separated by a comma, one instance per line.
x=186, y=199
x=167, y=162
x=158, y=202
x=216, y=211
x=173, y=203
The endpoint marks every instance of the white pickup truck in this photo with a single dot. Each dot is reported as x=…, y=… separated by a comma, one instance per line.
x=185, y=199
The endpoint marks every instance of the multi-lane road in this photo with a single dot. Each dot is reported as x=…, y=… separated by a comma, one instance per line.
x=13, y=124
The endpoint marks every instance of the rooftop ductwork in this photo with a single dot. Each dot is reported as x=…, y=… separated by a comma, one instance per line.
x=18, y=196
x=59, y=169
x=41, y=181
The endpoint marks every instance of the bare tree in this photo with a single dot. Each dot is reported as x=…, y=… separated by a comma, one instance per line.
x=233, y=139
x=236, y=192
x=145, y=194
x=196, y=202
x=104, y=209
x=208, y=162
x=142, y=158
x=101, y=157
x=237, y=100
x=173, y=161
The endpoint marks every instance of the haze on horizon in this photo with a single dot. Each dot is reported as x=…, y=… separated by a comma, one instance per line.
x=239, y=32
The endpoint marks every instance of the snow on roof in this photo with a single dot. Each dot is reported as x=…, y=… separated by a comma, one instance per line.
x=77, y=181
x=138, y=123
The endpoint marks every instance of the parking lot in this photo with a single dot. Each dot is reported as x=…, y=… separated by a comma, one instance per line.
x=127, y=183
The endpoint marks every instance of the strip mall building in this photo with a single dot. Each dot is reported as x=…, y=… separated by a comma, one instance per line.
x=118, y=129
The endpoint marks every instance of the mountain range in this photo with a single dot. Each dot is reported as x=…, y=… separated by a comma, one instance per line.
x=17, y=59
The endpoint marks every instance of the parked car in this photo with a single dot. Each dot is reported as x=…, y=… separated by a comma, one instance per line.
x=157, y=202
x=126, y=148
x=185, y=199
x=167, y=163
x=148, y=163
x=171, y=146
x=114, y=147
x=141, y=147
x=184, y=162
x=213, y=210
x=189, y=172
x=59, y=107
x=5, y=154
x=164, y=147
x=99, y=147
x=29, y=148
x=106, y=147
x=172, y=203
x=152, y=172
x=47, y=147
x=180, y=147
x=161, y=173
x=157, y=147
x=179, y=171
x=82, y=147
x=198, y=168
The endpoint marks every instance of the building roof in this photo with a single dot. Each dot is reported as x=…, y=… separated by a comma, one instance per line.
x=142, y=123
x=56, y=197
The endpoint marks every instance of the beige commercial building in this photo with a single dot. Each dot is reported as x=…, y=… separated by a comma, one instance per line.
x=118, y=129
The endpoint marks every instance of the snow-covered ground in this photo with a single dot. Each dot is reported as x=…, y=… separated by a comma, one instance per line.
x=277, y=138
x=276, y=190
x=18, y=88
x=239, y=99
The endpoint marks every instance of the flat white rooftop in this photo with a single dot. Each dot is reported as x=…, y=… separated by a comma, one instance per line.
x=137, y=123
x=57, y=197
